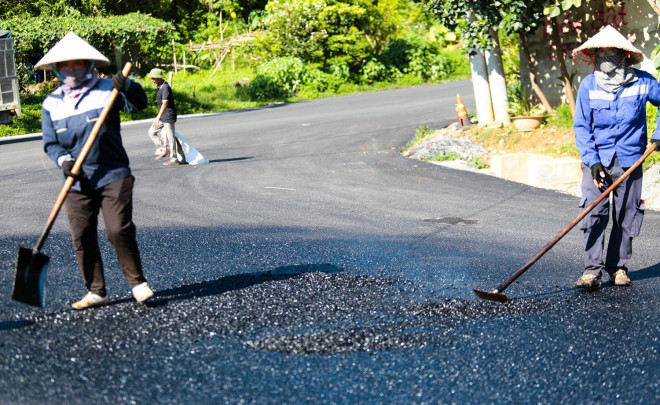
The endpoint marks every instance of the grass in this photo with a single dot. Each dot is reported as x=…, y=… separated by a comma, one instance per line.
x=201, y=91
x=421, y=132
x=476, y=162
x=562, y=117
x=30, y=121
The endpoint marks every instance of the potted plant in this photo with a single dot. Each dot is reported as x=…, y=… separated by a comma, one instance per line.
x=524, y=115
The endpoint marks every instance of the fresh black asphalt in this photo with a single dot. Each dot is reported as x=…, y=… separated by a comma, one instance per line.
x=310, y=263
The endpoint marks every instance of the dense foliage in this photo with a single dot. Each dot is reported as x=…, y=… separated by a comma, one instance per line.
x=474, y=19
x=359, y=41
x=283, y=49
x=138, y=33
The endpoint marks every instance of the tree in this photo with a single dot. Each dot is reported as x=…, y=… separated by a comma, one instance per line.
x=34, y=36
x=478, y=21
x=523, y=18
x=553, y=11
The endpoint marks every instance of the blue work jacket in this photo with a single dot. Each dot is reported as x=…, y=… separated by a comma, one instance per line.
x=67, y=124
x=614, y=123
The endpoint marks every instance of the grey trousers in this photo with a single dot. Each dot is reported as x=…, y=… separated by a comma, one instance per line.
x=116, y=202
x=627, y=216
x=163, y=137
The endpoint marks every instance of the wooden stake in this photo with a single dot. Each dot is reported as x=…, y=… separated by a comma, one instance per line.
x=174, y=55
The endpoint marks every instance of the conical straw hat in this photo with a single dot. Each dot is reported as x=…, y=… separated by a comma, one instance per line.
x=71, y=47
x=608, y=37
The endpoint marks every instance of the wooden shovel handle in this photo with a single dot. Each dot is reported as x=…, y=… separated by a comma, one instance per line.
x=78, y=164
x=570, y=226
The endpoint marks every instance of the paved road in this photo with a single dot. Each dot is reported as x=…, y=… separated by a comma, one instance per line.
x=310, y=262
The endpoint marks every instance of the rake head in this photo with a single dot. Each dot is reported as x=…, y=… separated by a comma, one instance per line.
x=494, y=295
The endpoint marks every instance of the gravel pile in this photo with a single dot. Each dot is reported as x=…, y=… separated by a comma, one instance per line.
x=444, y=142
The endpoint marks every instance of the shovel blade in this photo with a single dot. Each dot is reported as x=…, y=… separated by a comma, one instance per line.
x=491, y=295
x=30, y=280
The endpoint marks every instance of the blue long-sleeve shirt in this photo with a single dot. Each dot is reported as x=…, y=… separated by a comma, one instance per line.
x=67, y=124
x=606, y=123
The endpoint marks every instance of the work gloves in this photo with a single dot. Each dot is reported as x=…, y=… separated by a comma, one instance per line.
x=118, y=81
x=595, y=171
x=656, y=142
x=599, y=180
x=67, y=166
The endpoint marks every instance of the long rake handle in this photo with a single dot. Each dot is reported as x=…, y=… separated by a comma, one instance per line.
x=78, y=164
x=570, y=226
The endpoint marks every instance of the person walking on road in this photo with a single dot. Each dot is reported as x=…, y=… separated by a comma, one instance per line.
x=105, y=182
x=611, y=135
x=162, y=132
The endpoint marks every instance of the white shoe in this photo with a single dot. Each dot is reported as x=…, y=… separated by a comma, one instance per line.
x=159, y=151
x=89, y=301
x=142, y=292
x=588, y=282
x=621, y=278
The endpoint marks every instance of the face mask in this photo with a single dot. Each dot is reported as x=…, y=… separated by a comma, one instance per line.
x=608, y=64
x=76, y=77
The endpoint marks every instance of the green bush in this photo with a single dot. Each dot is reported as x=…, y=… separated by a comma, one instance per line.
x=278, y=79
x=265, y=88
x=320, y=30
x=562, y=117
x=319, y=82
x=458, y=63
x=416, y=56
x=340, y=68
x=373, y=71
x=651, y=116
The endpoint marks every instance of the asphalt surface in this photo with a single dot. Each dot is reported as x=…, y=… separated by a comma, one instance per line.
x=309, y=262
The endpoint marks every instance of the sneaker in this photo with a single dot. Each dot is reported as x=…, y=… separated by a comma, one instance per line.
x=621, y=278
x=90, y=300
x=172, y=162
x=588, y=281
x=163, y=154
x=142, y=292
x=159, y=151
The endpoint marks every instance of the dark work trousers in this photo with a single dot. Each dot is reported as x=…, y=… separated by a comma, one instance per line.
x=627, y=218
x=116, y=202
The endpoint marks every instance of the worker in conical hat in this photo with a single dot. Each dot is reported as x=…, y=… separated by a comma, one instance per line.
x=105, y=182
x=611, y=135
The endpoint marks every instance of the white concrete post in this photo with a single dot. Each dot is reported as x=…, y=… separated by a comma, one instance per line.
x=497, y=81
x=481, y=87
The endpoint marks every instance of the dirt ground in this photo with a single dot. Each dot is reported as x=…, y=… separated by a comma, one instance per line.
x=552, y=141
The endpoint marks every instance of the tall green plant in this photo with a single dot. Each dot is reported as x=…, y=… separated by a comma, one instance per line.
x=319, y=31
x=33, y=37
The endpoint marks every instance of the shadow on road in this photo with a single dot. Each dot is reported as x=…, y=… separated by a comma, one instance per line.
x=236, y=282
x=649, y=272
x=9, y=325
x=230, y=159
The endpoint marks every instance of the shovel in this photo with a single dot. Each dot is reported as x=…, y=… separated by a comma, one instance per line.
x=498, y=295
x=31, y=265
